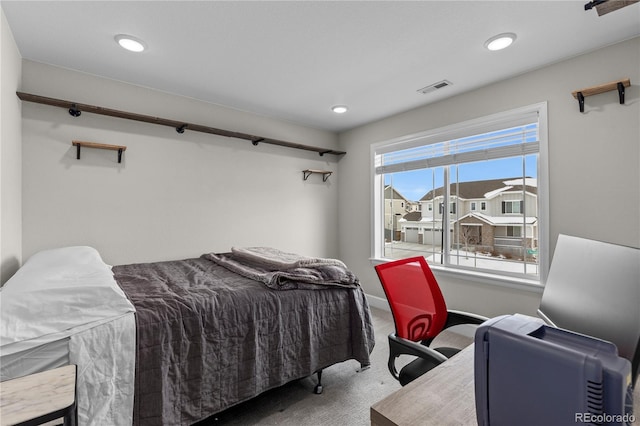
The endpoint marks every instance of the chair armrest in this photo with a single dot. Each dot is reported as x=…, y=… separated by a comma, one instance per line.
x=460, y=317
x=403, y=346
x=400, y=346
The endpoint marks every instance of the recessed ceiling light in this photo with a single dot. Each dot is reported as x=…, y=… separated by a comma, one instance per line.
x=130, y=43
x=500, y=41
x=339, y=109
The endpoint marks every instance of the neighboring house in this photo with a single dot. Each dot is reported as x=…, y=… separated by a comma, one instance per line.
x=497, y=216
x=396, y=206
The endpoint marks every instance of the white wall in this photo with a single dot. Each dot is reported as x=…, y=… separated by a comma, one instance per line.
x=173, y=196
x=10, y=155
x=594, y=163
x=181, y=195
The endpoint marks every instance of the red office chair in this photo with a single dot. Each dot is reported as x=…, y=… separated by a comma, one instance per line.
x=420, y=314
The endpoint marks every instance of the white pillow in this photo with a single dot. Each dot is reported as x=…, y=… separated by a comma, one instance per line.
x=59, y=290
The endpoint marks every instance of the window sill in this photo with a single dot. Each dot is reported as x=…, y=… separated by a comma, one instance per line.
x=475, y=277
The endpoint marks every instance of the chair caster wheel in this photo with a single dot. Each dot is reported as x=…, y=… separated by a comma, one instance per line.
x=317, y=390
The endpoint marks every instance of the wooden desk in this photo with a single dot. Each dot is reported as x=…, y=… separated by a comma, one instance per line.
x=39, y=398
x=443, y=396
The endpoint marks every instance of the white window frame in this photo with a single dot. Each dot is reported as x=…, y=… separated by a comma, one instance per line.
x=467, y=128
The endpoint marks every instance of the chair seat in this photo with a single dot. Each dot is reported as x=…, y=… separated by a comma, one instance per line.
x=419, y=366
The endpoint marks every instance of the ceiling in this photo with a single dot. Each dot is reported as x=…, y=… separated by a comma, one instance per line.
x=293, y=60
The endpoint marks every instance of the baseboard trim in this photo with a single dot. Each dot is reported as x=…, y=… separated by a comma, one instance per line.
x=378, y=302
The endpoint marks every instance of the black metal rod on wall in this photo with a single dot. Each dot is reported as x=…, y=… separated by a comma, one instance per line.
x=180, y=126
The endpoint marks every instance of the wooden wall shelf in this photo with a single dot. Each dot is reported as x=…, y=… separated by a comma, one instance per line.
x=325, y=174
x=79, y=144
x=596, y=90
x=76, y=109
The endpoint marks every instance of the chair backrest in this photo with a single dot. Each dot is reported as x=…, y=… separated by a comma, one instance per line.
x=416, y=302
x=593, y=288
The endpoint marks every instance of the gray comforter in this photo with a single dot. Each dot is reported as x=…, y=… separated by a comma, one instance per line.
x=208, y=338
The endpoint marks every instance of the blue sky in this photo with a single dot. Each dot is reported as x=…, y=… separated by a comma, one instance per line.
x=416, y=183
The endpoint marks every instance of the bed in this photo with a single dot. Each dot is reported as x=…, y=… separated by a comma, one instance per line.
x=207, y=333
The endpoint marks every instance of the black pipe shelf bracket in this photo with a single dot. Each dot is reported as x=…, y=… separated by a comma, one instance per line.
x=75, y=109
x=596, y=90
x=325, y=174
x=79, y=144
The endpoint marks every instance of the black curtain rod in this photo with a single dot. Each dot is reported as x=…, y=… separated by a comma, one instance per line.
x=76, y=109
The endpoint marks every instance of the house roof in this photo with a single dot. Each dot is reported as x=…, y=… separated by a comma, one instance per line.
x=413, y=216
x=491, y=220
x=500, y=220
x=389, y=191
x=484, y=188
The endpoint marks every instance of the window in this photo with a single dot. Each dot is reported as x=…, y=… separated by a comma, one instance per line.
x=512, y=207
x=514, y=231
x=452, y=207
x=499, y=162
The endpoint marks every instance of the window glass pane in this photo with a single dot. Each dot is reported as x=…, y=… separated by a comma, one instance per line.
x=499, y=238
x=417, y=232
x=493, y=239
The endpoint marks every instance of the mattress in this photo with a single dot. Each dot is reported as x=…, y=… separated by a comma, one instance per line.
x=32, y=360
x=60, y=308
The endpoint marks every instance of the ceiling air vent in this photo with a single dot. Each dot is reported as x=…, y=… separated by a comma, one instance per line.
x=435, y=86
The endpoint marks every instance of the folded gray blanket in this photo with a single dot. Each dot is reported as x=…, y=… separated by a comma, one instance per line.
x=284, y=271
x=275, y=260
